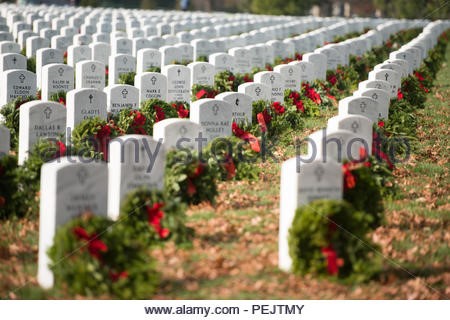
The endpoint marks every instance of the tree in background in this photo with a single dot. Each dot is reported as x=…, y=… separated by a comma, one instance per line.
x=282, y=7
x=426, y=9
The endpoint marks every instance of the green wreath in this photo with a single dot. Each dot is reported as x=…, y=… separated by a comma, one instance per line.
x=91, y=256
x=331, y=238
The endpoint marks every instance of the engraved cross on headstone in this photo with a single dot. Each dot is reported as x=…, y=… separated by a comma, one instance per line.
x=215, y=109
x=319, y=172
x=47, y=113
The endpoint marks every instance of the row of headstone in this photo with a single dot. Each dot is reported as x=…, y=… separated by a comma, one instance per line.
x=318, y=175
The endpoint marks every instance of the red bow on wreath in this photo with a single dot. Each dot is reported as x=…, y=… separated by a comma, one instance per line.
x=95, y=246
x=155, y=215
x=246, y=136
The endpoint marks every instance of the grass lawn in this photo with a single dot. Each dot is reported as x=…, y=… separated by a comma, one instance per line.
x=235, y=251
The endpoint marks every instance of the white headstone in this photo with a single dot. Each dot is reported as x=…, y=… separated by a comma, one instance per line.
x=274, y=81
x=241, y=60
x=90, y=74
x=84, y=104
x=363, y=106
x=120, y=64
x=257, y=91
x=202, y=73
x=290, y=74
x=121, y=96
x=69, y=187
x=134, y=161
x=359, y=125
x=39, y=120
x=306, y=71
x=170, y=55
x=16, y=83
x=12, y=61
x=76, y=54
x=9, y=47
x=336, y=144
x=44, y=57
x=214, y=116
x=178, y=82
x=151, y=85
x=301, y=183
x=222, y=62
x=101, y=52
x=56, y=77
x=121, y=46
x=241, y=104
x=381, y=96
x=319, y=61
x=35, y=43
x=178, y=134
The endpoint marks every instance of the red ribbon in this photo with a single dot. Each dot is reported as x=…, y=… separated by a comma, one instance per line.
x=333, y=262
x=399, y=95
x=264, y=119
x=246, y=136
x=155, y=215
x=200, y=94
x=95, y=246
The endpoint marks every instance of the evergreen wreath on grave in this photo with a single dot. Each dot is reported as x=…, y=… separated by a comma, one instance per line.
x=363, y=65
x=340, y=82
x=203, y=91
x=188, y=178
x=414, y=91
x=93, y=256
x=362, y=189
x=127, y=78
x=11, y=115
x=231, y=158
x=155, y=218
x=402, y=121
x=91, y=137
x=156, y=110
x=273, y=118
x=8, y=186
x=134, y=122
x=29, y=174
x=318, y=92
x=304, y=106
x=331, y=238
x=59, y=97
x=227, y=81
